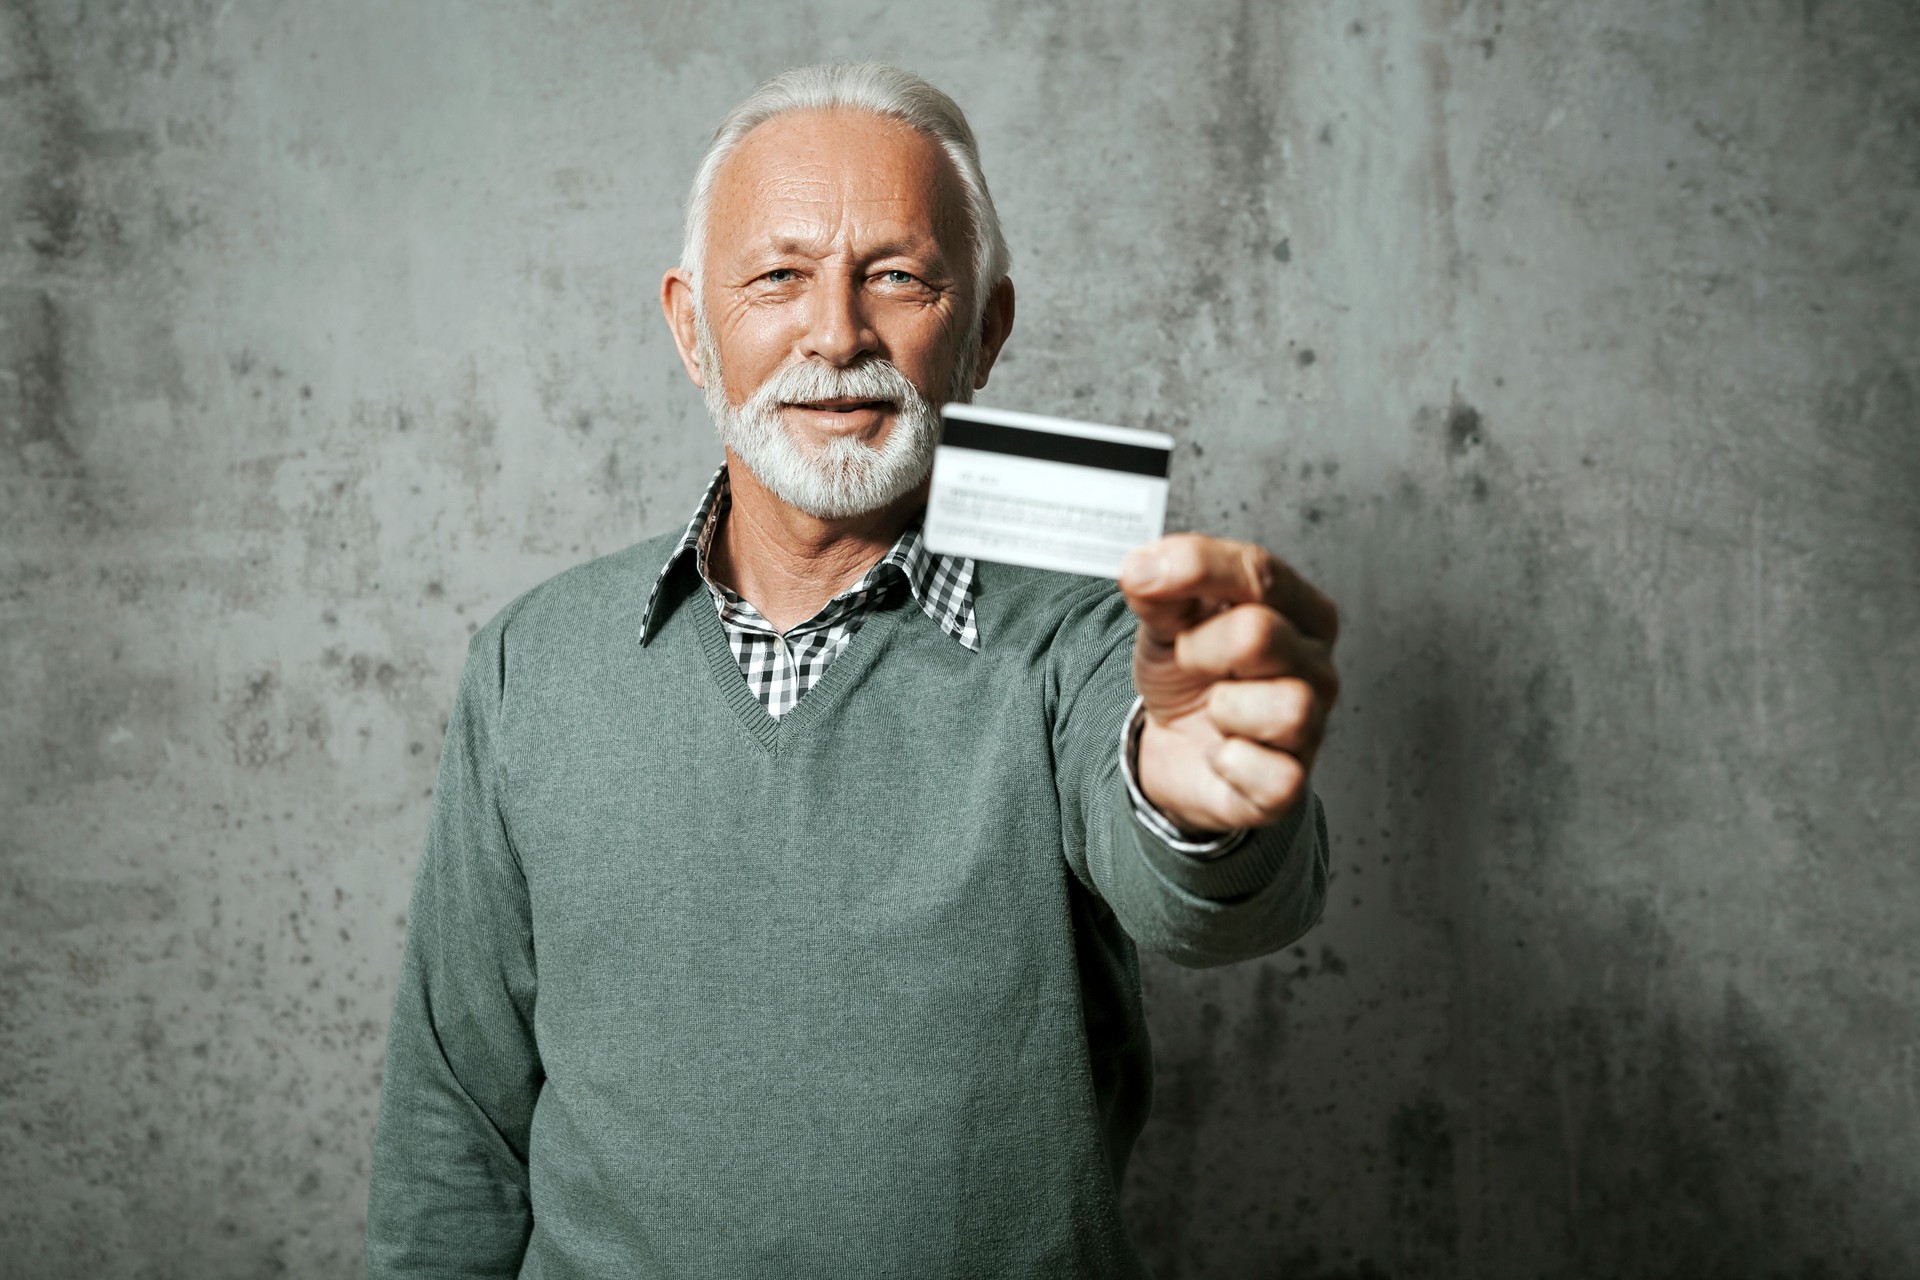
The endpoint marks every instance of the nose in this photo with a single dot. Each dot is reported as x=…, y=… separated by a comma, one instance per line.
x=837, y=330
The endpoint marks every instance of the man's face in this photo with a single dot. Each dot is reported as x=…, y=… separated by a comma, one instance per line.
x=837, y=307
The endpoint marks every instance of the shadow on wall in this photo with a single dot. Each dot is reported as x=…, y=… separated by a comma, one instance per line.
x=1561, y=1096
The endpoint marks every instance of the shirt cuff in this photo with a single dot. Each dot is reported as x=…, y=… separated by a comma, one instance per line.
x=1143, y=808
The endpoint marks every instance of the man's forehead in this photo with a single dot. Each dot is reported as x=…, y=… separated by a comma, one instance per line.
x=790, y=172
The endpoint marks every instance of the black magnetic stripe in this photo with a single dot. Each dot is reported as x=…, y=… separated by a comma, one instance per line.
x=1052, y=446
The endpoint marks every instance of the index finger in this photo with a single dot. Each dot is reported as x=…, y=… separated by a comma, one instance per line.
x=1193, y=567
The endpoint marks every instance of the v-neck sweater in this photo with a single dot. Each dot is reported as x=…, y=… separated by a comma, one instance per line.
x=693, y=991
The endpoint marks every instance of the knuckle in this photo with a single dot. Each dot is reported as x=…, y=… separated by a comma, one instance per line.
x=1273, y=793
x=1259, y=775
x=1285, y=796
x=1299, y=701
x=1257, y=563
x=1260, y=627
x=1293, y=724
x=1285, y=776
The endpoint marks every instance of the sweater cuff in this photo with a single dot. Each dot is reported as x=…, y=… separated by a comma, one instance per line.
x=1262, y=856
x=1147, y=812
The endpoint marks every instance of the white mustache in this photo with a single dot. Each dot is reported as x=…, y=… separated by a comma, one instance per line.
x=873, y=379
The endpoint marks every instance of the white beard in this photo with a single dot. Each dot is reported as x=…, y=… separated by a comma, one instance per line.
x=844, y=477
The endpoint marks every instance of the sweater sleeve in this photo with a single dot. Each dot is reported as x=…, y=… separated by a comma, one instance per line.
x=1249, y=901
x=449, y=1192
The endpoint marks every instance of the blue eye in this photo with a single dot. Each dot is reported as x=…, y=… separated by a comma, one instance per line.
x=779, y=275
x=897, y=276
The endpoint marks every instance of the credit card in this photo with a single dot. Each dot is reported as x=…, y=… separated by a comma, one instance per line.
x=1050, y=493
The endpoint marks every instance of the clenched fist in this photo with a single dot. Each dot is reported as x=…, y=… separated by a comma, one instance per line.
x=1234, y=659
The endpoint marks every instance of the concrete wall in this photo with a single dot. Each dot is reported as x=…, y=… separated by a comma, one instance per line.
x=1571, y=347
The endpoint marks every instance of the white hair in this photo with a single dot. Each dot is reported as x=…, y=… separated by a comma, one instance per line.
x=864, y=86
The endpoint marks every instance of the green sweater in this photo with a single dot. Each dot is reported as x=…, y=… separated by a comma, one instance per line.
x=690, y=991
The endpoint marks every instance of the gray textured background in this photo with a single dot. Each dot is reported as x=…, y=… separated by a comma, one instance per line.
x=1571, y=347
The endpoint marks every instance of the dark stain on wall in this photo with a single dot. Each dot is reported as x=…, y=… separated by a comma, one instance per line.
x=1463, y=428
x=1656, y=1137
x=1186, y=1083
x=1242, y=138
x=44, y=134
x=1870, y=424
x=1421, y=1201
x=40, y=906
x=41, y=201
x=34, y=409
x=266, y=725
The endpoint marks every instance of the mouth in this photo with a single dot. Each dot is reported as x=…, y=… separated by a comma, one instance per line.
x=844, y=404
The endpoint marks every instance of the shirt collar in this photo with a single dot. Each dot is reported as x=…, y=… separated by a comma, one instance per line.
x=941, y=585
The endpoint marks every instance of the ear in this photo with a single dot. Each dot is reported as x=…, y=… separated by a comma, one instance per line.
x=676, y=303
x=996, y=323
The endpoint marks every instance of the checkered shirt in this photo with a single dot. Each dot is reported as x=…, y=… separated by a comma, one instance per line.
x=779, y=669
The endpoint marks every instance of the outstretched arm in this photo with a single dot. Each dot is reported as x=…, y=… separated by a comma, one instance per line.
x=1174, y=888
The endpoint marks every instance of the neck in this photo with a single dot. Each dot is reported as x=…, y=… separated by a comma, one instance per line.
x=786, y=563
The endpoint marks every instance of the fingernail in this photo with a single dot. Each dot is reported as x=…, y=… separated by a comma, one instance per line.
x=1142, y=570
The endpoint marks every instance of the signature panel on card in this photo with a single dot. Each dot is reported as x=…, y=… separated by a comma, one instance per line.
x=1051, y=493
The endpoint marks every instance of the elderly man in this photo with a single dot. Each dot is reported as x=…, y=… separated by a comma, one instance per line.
x=779, y=909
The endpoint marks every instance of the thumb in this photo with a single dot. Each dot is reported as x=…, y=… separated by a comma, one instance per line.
x=1152, y=587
